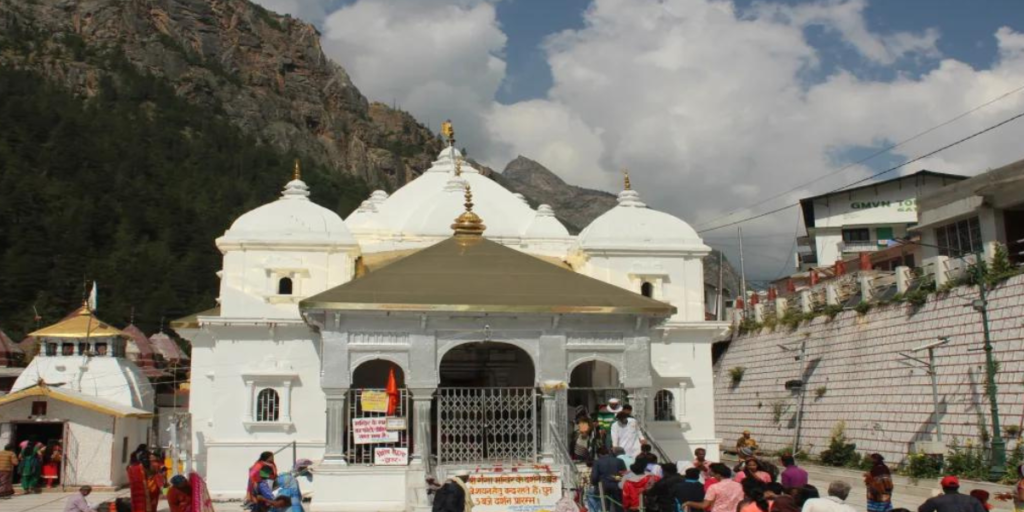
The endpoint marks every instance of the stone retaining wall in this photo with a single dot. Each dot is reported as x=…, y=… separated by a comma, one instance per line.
x=886, y=406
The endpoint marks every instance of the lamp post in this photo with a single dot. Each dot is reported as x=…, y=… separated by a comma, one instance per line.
x=998, y=445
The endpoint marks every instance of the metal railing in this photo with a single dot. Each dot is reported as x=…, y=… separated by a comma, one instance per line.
x=363, y=453
x=563, y=457
x=662, y=455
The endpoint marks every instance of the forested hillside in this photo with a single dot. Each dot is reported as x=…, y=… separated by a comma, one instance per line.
x=128, y=188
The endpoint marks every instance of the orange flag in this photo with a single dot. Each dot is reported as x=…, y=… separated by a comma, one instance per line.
x=392, y=391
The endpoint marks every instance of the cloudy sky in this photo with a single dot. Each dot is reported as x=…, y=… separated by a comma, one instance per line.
x=713, y=105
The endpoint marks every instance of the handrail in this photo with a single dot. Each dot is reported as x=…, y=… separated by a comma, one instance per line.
x=654, y=444
x=562, y=452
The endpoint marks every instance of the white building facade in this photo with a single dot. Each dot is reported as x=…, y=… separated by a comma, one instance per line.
x=863, y=219
x=495, y=336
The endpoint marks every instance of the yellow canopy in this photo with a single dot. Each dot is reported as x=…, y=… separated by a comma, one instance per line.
x=81, y=324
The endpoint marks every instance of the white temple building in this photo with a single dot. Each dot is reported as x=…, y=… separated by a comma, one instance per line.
x=495, y=334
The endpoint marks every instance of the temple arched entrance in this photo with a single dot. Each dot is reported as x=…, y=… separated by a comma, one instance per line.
x=486, y=407
x=371, y=403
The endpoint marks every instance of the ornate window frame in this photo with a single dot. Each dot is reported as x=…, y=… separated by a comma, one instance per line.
x=279, y=380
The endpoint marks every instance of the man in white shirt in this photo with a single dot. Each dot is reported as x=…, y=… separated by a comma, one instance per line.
x=835, y=502
x=77, y=503
x=626, y=434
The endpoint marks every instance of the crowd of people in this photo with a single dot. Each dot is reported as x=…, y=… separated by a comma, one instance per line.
x=621, y=481
x=32, y=463
x=268, y=491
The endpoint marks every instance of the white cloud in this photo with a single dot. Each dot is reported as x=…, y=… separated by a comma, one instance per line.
x=707, y=106
x=312, y=11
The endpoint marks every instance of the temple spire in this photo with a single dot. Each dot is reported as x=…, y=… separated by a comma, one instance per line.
x=625, y=179
x=297, y=173
x=448, y=132
x=469, y=224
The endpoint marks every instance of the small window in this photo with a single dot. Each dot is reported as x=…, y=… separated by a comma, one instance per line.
x=267, y=405
x=857, y=235
x=647, y=290
x=83, y=349
x=39, y=408
x=67, y=349
x=51, y=349
x=284, y=286
x=664, y=406
x=124, y=450
x=883, y=233
x=101, y=349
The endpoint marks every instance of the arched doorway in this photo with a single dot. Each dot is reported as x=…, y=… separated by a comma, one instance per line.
x=486, y=406
x=373, y=407
x=591, y=385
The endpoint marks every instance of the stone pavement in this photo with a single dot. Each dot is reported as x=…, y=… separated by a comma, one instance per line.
x=54, y=501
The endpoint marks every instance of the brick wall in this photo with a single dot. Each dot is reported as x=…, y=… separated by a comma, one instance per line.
x=886, y=405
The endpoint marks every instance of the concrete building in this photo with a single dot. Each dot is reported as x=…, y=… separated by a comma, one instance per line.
x=863, y=219
x=495, y=336
x=972, y=215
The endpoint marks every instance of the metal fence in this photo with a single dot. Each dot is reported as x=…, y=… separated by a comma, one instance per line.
x=487, y=424
x=363, y=453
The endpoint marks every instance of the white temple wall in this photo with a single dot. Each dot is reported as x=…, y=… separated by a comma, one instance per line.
x=682, y=365
x=677, y=280
x=230, y=366
x=249, y=281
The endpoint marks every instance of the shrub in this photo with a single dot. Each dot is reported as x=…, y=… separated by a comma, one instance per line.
x=840, y=452
x=967, y=461
x=832, y=310
x=921, y=465
x=820, y=392
x=863, y=307
x=779, y=407
x=736, y=374
x=1012, y=431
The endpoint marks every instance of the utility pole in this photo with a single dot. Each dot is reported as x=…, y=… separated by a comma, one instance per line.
x=930, y=369
x=803, y=394
x=743, y=272
x=720, y=304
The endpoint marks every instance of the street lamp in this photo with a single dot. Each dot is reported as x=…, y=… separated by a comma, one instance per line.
x=998, y=463
x=800, y=355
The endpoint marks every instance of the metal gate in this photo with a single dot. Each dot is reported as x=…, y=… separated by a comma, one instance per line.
x=487, y=424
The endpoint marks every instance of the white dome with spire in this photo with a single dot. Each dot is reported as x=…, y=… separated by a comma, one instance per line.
x=632, y=225
x=366, y=219
x=426, y=206
x=291, y=218
x=545, y=225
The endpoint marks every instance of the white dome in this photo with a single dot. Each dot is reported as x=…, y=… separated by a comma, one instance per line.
x=291, y=218
x=366, y=218
x=632, y=225
x=428, y=205
x=545, y=225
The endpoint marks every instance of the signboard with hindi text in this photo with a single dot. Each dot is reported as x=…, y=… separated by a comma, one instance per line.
x=390, y=456
x=515, y=491
x=372, y=430
x=373, y=401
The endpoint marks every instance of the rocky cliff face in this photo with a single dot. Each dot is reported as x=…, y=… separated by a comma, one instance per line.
x=575, y=206
x=266, y=73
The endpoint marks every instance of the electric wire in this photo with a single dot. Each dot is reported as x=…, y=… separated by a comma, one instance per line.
x=871, y=156
x=873, y=176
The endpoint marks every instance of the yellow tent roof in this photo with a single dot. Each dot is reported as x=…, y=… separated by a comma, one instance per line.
x=76, y=398
x=81, y=324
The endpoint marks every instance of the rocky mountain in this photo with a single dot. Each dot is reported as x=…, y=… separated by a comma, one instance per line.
x=264, y=72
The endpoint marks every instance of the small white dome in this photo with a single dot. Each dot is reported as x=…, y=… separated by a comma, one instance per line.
x=632, y=225
x=293, y=217
x=545, y=225
x=366, y=219
x=378, y=196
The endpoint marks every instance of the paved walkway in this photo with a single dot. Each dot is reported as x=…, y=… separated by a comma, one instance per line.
x=54, y=501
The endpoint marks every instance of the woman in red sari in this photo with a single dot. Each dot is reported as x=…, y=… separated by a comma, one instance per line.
x=266, y=460
x=143, y=483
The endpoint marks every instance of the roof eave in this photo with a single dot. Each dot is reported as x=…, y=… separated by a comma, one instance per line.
x=665, y=311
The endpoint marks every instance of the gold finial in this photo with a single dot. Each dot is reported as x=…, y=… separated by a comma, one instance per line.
x=458, y=166
x=448, y=131
x=625, y=177
x=297, y=173
x=469, y=223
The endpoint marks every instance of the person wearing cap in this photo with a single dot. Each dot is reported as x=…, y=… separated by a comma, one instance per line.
x=951, y=500
x=454, y=496
x=179, y=496
x=745, y=441
x=288, y=484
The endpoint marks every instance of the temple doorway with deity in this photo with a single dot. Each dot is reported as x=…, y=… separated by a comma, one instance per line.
x=486, y=407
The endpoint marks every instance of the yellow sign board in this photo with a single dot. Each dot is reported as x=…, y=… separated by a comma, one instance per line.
x=374, y=401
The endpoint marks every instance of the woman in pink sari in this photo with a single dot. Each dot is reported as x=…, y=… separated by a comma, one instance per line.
x=201, y=501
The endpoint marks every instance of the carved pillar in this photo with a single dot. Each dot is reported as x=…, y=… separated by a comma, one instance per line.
x=637, y=397
x=547, y=416
x=420, y=424
x=336, y=428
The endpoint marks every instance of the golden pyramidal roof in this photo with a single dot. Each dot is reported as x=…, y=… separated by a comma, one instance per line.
x=81, y=324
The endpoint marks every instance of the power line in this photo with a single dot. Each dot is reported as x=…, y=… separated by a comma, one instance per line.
x=872, y=155
x=873, y=176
